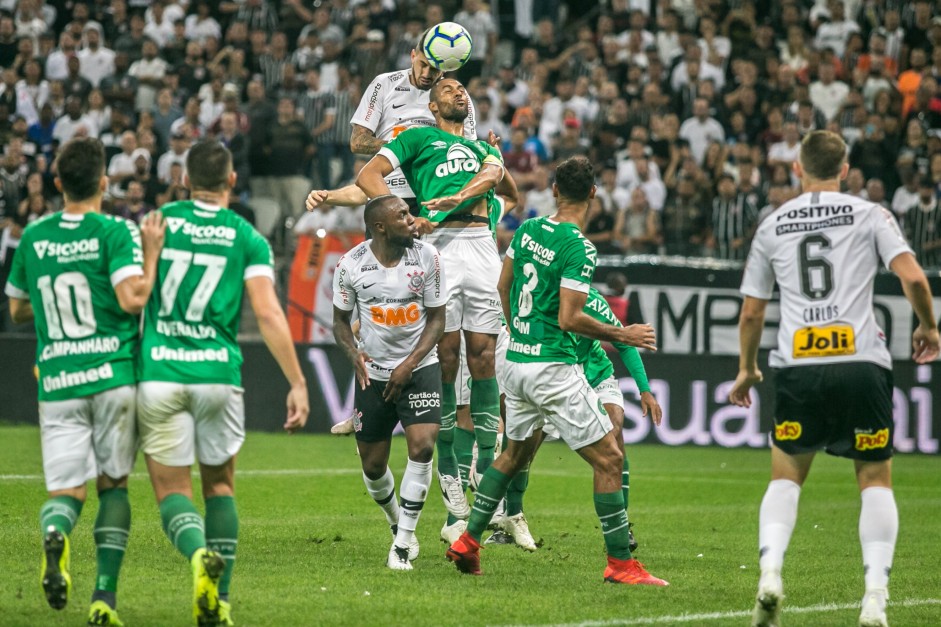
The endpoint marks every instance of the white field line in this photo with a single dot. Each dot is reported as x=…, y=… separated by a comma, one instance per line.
x=261, y=472
x=715, y=616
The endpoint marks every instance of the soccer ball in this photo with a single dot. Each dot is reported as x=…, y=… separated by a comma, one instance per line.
x=447, y=46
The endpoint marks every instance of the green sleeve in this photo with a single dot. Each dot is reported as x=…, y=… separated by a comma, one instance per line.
x=17, y=285
x=259, y=260
x=631, y=358
x=578, y=266
x=125, y=254
x=404, y=147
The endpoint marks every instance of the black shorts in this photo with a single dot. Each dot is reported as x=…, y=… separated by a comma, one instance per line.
x=844, y=408
x=374, y=419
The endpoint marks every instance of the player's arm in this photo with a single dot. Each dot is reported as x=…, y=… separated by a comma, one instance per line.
x=349, y=196
x=344, y=299
x=485, y=180
x=273, y=326
x=363, y=141
x=371, y=179
x=925, y=342
x=134, y=291
x=430, y=335
x=21, y=310
x=751, y=322
x=505, y=284
x=573, y=319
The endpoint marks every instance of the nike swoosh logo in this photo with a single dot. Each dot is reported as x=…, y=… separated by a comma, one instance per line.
x=366, y=287
x=419, y=413
x=398, y=106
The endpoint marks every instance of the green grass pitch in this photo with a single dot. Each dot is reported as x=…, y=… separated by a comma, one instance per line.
x=313, y=545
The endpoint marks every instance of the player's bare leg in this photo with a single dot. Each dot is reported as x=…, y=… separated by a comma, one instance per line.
x=776, y=520
x=878, y=529
x=186, y=530
x=449, y=350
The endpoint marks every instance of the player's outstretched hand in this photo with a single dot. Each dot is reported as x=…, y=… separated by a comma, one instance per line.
x=424, y=226
x=493, y=139
x=298, y=408
x=152, y=230
x=362, y=374
x=446, y=203
x=639, y=336
x=316, y=199
x=925, y=345
x=741, y=391
x=649, y=405
x=397, y=381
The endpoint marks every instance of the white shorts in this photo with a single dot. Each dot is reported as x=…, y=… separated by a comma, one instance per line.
x=541, y=394
x=180, y=423
x=89, y=436
x=463, y=381
x=471, y=269
x=609, y=392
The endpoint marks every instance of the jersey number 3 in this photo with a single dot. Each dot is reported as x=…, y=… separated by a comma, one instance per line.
x=816, y=271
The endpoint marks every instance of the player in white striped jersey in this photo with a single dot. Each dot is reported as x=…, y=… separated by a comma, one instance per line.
x=393, y=102
x=399, y=286
x=834, y=380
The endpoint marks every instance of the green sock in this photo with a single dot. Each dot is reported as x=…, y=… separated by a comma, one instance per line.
x=182, y=524
x=613, y=517
x=626, y=481
x=61, y=512
x=516, y=490
x=492, y=488
x=485, y=412
x=447, y=462
x=464, y=451
x=222, y=534
x=111, y=530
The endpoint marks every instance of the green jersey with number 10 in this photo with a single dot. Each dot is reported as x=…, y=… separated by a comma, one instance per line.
x=547, y=255
x=192, y=319
x=67, y=266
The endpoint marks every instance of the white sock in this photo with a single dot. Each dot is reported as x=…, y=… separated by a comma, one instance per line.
x=382, y=490
x=414, y=488
x=776, y=523
x=878, y=529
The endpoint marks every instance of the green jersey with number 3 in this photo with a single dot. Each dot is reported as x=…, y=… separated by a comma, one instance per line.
x=436, y=164
x=547, y=255
x=192, y=318
x=67, y=266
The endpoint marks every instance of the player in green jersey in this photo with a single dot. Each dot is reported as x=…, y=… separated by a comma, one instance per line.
x=84, y=278
x=455, y=180
x=189, y=398
x=544, y=286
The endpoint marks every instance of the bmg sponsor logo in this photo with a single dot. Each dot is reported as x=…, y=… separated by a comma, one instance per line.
x=787, y=430
x=870, y=441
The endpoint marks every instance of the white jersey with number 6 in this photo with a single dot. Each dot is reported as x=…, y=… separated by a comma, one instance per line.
x=392, y=302
x=391, y=104
x=824, y=249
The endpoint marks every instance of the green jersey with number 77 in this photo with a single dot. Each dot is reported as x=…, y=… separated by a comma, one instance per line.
x=192, y=318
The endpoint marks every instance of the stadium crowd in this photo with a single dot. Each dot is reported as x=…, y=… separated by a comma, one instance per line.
x=692, y=110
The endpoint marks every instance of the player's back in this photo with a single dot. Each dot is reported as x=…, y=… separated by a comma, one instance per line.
x=67, y=265
x=191, y=321
x=546, y=255
x=824, y=249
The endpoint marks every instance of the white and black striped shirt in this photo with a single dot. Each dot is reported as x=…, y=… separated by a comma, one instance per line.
x=315, y=106
x=272, y=70
x=345, y=107
x=923, y=229
x=732, y=219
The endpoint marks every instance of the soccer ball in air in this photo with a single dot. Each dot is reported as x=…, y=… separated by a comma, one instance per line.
x=447, y=46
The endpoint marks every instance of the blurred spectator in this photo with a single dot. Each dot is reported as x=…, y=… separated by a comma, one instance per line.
x=289, y=146
x=827, y=93
x=478, y=22
x=179, y=148
x=318, y=109
x=520, y=161
x=599, y=227
x=701, y=130
x=74, y=123
x=683, y=220
x=41, y=131
x=133, y=206
x=174, y=190
x=165, y=114
x=231, y=136
x=875, y=191
x=835, y=30
x=906, y=196
x=488, y=120
x=120, y=89
x=856, y=184
x=57, y=61
x=732, y=222
x=540, y=197
x=637, y=229
x=121, y=166
x=191, y=122
x=97, y=61
x=569, y=143
x=923, y=225
x=200, y=24
x=149, y=71
x=98, y=109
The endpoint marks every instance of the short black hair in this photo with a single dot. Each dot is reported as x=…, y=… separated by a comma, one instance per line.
x=575, y=177
x=80, y=166
x=376, y=208
x=208, y=165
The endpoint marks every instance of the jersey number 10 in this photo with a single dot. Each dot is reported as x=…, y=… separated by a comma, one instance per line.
x=67, y=306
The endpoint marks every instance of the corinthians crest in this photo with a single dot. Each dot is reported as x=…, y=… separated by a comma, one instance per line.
x=416, y=281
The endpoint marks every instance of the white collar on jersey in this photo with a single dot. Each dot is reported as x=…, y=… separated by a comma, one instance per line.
x=72, y=217
x=205, y=206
